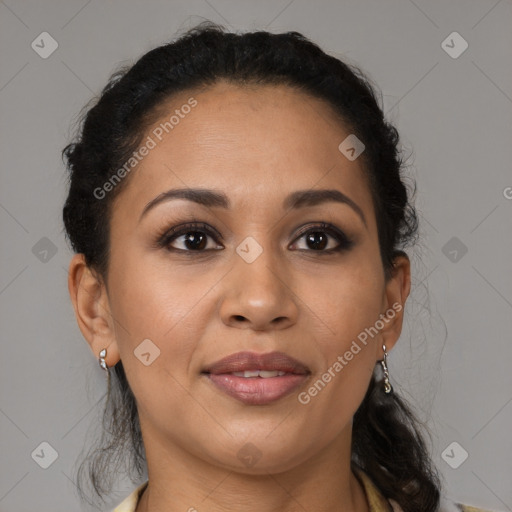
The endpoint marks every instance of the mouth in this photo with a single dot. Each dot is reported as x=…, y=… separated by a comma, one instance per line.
x=257, y=379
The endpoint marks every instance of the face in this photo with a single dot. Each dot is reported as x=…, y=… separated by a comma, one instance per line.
x=254, y=268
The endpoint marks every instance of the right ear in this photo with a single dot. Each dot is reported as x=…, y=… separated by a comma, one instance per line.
x=92, y=309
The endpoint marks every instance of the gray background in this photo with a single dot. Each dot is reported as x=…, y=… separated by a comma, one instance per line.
x=454, y=116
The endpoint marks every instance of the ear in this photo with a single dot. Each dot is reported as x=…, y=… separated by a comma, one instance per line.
x=397, y=290
x=92, y=309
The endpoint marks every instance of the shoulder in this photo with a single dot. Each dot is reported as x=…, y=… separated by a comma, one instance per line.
x=129, y=504
x=376, y=500
x=378, y=503
x=468, y=508
x=447, y=505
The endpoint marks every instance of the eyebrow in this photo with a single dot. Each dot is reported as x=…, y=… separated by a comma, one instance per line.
x=212, y=198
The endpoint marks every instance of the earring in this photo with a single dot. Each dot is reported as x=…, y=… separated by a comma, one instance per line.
x=102, y=362
x=388, y=388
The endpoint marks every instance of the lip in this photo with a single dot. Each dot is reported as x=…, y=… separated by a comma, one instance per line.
x=257, y=390
x=245, y=361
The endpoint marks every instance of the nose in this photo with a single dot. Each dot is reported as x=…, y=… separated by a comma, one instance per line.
x=258, y=295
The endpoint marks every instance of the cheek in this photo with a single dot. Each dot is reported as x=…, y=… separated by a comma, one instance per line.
x=162, y=315
x=346, y=311
x=157, y=297
x=167, y=308
x=345, y=304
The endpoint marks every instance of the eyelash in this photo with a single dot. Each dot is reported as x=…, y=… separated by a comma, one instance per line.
x=167, y=236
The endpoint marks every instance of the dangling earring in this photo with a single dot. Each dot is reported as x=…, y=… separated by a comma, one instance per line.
x=102, y=362
x=387, y=386
x=104, y=365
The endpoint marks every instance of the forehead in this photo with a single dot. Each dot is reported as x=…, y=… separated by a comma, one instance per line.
x=256, y=143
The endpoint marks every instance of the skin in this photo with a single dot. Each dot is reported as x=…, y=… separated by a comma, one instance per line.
x=257, y=145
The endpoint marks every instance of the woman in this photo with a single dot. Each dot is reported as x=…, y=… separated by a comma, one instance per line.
x=238, y=215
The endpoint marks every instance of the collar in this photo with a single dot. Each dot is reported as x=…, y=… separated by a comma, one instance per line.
x=376, y=500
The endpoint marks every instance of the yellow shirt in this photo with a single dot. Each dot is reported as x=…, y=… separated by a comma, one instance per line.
x=377, y=502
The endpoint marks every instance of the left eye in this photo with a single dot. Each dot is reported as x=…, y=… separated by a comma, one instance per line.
x=317, y=239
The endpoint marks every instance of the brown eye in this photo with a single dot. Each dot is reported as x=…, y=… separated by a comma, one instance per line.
x=195, y=240
x=317, y=240
x=324, y=238
x=192, y=238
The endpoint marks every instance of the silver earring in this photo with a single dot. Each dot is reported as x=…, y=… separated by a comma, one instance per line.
x=102, y=362
x=388, y=388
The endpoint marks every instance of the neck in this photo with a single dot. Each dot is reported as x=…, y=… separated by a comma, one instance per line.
x=324, y=482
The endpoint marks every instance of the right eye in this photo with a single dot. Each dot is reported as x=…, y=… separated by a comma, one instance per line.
x=194, y=237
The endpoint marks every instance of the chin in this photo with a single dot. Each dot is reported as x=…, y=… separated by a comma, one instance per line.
x=261, y=456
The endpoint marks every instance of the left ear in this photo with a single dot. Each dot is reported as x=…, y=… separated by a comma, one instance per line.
x=397, y=290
